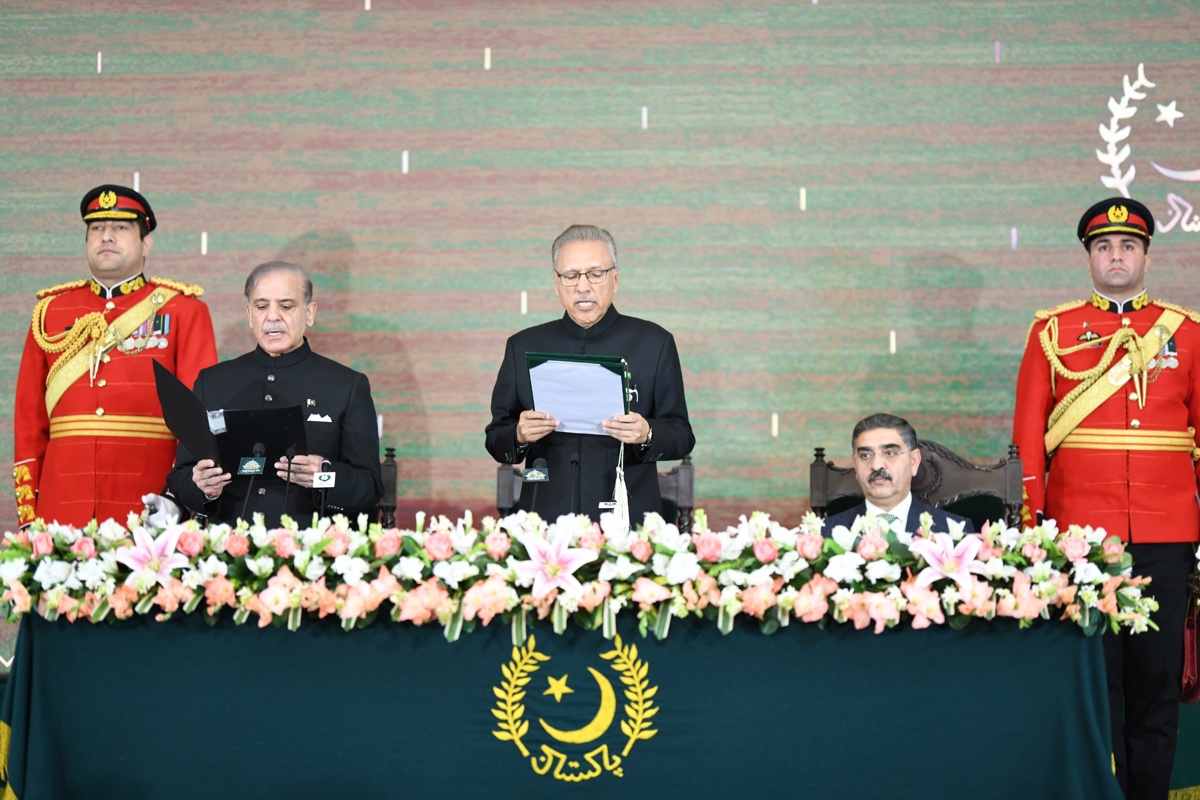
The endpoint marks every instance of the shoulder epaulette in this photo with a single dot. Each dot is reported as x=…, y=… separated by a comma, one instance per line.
x=1047, y=313
x=1187, y=312
x=189, y=289
x=59, y=288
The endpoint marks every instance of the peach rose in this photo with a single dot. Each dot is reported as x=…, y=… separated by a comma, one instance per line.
x=438, y=546
x=497, y=544
x=766, y=551
x=641, y=550
x=1074, y=547
x=43, y=543
x=1113, y=549
x=388, y=544
x=1032, y=552
x=872, y=546
x=339, y=541
x=237, y=545
x=190, y=543
x=285, y=544
x=593, y=538
x=809, y=545
x=708, y=546
x=85, y=547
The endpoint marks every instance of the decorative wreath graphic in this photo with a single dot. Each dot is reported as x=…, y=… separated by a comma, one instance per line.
x=512, y=726
x=1116, y=132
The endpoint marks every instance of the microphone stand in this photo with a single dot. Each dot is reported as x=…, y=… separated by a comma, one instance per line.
x=289, y=454
x=575, y=482
x=538, y=464
x=259, y=451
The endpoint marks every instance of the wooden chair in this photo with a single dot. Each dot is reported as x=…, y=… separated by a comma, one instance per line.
x=676, y=485
x=980, y=492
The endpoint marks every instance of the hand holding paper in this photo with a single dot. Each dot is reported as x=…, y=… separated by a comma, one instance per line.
x=631, y=428
x=533, y=425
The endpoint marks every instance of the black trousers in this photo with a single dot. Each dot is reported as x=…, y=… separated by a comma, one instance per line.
x=1144, y=675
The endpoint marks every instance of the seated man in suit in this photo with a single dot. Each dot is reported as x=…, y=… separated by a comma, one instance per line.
x=886, y=457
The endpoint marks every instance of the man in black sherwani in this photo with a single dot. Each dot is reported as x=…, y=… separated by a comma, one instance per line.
x=340, y=424
x=582, y=467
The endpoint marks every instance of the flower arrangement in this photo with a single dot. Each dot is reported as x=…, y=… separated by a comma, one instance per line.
x=573, y=570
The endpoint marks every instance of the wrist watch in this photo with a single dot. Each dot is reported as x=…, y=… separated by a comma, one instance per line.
x=649, y=437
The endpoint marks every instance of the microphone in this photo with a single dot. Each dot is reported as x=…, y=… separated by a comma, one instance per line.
x=326, y=465
x=289, y=454
x=259, y=450
x=539, y=464
x=575, y=482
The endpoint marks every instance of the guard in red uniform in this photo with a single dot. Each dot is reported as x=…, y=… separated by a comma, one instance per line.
x=1108, y=401
x=90, y=436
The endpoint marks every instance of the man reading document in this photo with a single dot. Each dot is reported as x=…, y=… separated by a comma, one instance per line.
x=581, y=468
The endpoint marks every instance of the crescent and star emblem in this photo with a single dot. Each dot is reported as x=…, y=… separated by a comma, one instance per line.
x=599, y=724
x=585, y=753
x=108, y=199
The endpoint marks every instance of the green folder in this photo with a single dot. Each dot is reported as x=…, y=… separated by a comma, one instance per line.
x=579, y=390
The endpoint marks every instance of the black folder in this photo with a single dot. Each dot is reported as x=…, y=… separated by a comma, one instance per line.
x=278, y=430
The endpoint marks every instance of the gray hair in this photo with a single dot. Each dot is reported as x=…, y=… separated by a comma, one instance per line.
x=583, y=233
x=891, y=421
x=276, y=267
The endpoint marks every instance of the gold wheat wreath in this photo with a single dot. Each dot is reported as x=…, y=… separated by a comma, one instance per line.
x=513, y=727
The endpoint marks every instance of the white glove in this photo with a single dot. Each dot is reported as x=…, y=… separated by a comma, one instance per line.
x=160, y=511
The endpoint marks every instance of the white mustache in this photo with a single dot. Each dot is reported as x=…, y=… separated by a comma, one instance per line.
x=274, y=327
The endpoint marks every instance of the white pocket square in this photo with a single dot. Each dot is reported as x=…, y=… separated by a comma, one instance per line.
x=314, y=417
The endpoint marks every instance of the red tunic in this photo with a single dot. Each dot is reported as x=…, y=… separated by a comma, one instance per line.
x=106, y=444
x=1128, y=466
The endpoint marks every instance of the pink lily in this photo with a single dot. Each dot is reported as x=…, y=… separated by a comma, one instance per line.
x=946, y=560
x=154, y=557
x=552, y=563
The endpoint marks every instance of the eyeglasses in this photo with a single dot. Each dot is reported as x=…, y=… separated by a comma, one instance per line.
x=593, y=275
x=865, y=455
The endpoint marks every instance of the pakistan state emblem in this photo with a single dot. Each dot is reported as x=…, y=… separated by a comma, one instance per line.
x=586, y=752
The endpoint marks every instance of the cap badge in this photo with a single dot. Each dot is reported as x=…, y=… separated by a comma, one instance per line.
x=1118, y=213
x=108, y=199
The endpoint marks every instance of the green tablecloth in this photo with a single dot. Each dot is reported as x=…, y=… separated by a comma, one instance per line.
x=143, y=709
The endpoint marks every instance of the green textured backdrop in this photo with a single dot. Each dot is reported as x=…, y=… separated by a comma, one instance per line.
x=944, y=151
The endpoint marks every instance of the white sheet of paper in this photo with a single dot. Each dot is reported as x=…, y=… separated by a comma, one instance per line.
x=578, y=395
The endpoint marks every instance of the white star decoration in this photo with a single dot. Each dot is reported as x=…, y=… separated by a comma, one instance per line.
x=1168, y=114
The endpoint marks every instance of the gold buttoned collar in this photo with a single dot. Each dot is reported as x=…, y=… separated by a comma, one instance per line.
x=1117, y=307
x=120, y=290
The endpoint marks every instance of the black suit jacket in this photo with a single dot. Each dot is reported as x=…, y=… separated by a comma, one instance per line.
x=915, y=510
x=582, y=467
x=324, y=389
